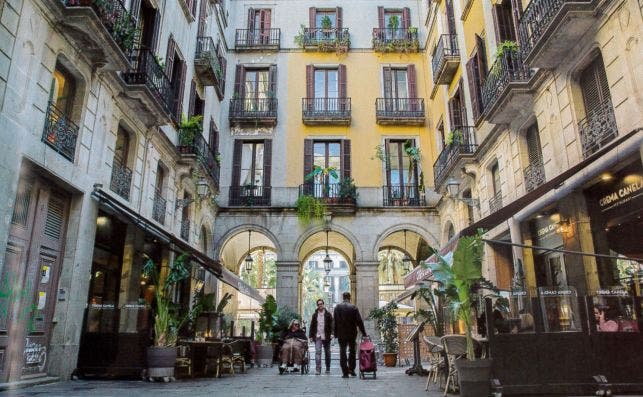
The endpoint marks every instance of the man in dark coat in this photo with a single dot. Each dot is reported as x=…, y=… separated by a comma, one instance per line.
x=347, y=321
x=321, y=326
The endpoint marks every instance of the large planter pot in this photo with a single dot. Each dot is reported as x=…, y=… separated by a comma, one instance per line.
x=474, y=377
x=160, y=362
x=263, y=355
x=390, y=359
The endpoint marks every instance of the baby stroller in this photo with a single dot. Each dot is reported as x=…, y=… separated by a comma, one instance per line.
x=290, y=366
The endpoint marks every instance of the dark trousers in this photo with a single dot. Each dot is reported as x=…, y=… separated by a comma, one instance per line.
x=350, y=364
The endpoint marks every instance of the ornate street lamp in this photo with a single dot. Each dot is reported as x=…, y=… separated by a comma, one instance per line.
x=406, y=261
x=249, y=259
x=328, y=263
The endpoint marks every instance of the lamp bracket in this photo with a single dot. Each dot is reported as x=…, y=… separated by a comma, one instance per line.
x=471, y=202
x=182, y=203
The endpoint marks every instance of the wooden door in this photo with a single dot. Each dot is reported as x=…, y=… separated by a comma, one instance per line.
x=33, y=258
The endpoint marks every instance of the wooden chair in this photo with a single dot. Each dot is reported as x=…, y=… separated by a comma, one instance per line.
x=436, y=360
x=212, y=360
x=237, y=349
x=184, y=359
x=455, y=347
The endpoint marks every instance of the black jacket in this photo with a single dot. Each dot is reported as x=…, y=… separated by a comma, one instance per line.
x=298, y=334
x=347, y=320
x=328, y=325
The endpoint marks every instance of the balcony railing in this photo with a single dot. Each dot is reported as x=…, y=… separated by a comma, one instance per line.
x=446, y=58
x=60, y=133
x=159, y=207
x=121, y=181
x=192, y=143
x=326, y=111
x=400, y=111
x=249, y=196
x=542, y=16
x=534, y=176
x=326, y=40
x=257, y=39
x=396, y=40
x=330, y=193
x=185, y=229
x=597, y=129
x=207, y=62
x=463, y=143
x=402, y=196
x=116, y=19
x=507, y=69
x=495, y=202
x=253, y=110
x=146, y=70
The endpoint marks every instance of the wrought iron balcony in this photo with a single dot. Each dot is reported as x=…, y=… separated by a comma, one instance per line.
x=534, y=176
x=506, y=90
x=121, y=181
x=326, y=40
x=159, y=207
x=60, y=133
x=192, y=143
x=147, y=82
x=320, y=111
x=549, y=29
x=330, y=193
x=402, y=111
x=257, y=39
x=446, y=58
x=185, y=229
x=207, y=63
x=463, y=145
x=402, y=196
x=495, y=202
x=597, y=129
x=396, y=40
x=249, y=196
x=253, y=111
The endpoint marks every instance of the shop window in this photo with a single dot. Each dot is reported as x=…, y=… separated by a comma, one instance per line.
x=559, y=307
x=614, y=311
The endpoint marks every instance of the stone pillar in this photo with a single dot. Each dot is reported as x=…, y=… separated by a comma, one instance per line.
x=367, y=291
x=519, y=277
x=287, y=284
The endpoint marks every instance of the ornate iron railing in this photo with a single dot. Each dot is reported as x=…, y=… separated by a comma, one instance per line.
x=326, y=108
x=402, y=196
x=598, y=128
x=536, y=19
x=60, y=133
x=253, y=108
x=534, y=176
x=118, y=21
x=121, y=181
x=159, y=207
x=399, y=108
x=249, y=196
x=446, y=47
x=147, y=70
x=508, y=68
x=192, y=142
x=464, y=142
x=207, y=52
x=495, y=202
x=326, y=39
x=398, y=39
x=185, y=229
x=257, y=38
x=329, y=193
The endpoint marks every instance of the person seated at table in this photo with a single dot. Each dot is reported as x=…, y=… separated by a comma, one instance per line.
x=294, y=346
x=605, y=319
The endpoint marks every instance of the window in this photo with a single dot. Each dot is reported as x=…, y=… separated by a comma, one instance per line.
x=251, y=169
x=399, y=88
x=394, y=22
x=326, y=83
x=148, y=26
x=122, y=147
x=450, y=17
x=457, y=110
x=503, y=15
x=214, y=137
x=325, y=23
x=594, y=86
x=534, y=151
x=256, y=86
x=259, y=26
x=176, y=68
x=440, y=129
x=401, y=171
x=324, y=17
x=326, y=154
x=197, y=105
x=476, y=73
x=160, y=177
x=252, y=164
x=466, y=194
x=121, y=174
x=62, y=90
x=495, y=178
x=326, y=88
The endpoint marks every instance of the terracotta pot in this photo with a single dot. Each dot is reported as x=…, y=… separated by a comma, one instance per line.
x=474, y=377
x=390, y=359
x=160, y=361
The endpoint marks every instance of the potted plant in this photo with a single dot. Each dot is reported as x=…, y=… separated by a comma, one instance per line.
x=326, y=24
x=209, y=316
x=348, y=190
x=387, y=325
x=189, y=128
x=461, y=283
x=267, y=320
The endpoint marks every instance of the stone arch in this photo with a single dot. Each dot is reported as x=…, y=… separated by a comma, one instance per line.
x=347, y=234
x=448, y=225
x=419, y=230
x=206, y=225
x=230, y=234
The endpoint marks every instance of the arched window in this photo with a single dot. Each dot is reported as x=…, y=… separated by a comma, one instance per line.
x=121, y=174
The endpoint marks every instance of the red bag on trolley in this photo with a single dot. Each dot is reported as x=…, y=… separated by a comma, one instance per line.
x=367, y=362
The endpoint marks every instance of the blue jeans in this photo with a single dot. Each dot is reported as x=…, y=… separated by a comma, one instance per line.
x=319, y=343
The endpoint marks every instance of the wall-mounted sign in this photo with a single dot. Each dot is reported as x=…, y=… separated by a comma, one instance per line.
x=624, y=191
x=545, y=231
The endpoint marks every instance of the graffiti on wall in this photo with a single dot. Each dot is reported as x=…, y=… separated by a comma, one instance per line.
x=10, y=295
x=35, y=356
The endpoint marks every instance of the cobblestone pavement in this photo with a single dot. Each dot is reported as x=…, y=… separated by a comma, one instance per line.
x=261, y=382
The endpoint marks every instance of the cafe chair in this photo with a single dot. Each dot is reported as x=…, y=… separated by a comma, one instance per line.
x=183, y=360
x=229, y=358
x=212, y=360
x=455, y=346
x=436, y=360
x=238, y=359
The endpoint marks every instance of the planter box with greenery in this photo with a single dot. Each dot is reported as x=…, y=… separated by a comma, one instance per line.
x=387, y=326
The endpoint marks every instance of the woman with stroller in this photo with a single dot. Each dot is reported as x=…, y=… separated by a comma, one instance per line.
x=294, y=347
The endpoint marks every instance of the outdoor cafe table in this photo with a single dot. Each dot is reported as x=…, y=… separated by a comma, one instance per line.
x=198, y=353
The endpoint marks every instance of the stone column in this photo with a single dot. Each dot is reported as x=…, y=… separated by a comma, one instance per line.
x=287, y=284
x=519, y=277
x=367, y=291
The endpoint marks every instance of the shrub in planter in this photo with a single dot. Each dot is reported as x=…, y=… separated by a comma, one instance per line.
x=387, y=326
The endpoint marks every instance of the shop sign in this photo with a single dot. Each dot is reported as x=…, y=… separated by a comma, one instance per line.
x=545, y=291
x=545, y=231
x=629, y=188
x=613, y=291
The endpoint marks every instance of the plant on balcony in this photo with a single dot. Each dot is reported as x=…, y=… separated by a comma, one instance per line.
x=190, y=128
x=454, y=137
x=413, y=152
x=125, y=31
x=326, y=23
x=506, y=46
x=309, y=208
x=347, y=189
x=380, y=154
x=338, y=43
x=393, y=22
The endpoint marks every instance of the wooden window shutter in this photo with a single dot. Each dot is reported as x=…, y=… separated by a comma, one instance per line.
x=481, y=53
x=503, y=17
x=594, y=86
x=224, y=67
x=452, y=122
x=461, y=107
x=410, y=71
x=450, y=17
x=338, y=16
x=310, y=81
x=406, y=18
x=312, y=17
x=415, y=166
x=387, y=161
x=346, y=158
x=308, y=160
x=380, y=17
x=203, y=15
x=267, y=164
x=265, y=20
x=388, y=85
x=169, y=57
x=214, y=136
x=272, y=81
x=474, y=89
x=179, y=91
x=155, y=34
x=341, y=74
x=239, y=76
x=236, y=162
x=251, y=18
x=192, y=98
x=533, y=145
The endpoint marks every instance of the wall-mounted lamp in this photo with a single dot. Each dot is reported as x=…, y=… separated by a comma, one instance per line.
x=564, y=226
x=406, y=260
x=202, y=188
x=328, y=262
x=453, y=189
x=248, y=261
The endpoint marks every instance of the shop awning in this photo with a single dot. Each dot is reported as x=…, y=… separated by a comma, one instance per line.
x=421, y=273
x=506, y=212
x=237, y=283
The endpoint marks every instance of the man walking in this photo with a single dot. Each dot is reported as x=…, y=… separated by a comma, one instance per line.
x=320, y=332
x=347, y=321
